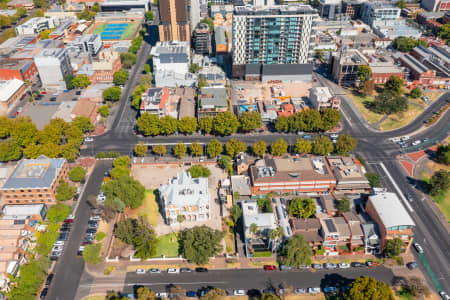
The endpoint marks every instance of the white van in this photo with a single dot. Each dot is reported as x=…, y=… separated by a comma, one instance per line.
x=405, y=138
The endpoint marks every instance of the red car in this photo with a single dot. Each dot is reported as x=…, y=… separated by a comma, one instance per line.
x=270, y=268
x=68, y=221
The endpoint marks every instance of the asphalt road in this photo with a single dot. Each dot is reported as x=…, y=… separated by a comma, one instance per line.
x=238, y=279
x=70, y=267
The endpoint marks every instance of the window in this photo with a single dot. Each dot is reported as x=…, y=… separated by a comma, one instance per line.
x=29, y=191
x=17, y=201
x=15, y=196
x=21, y=191
x=40, y=195
x=34, y=201
x=23, y=195
x=48, y=195
x=10, y=201
x=45, y=190
x=38, y=190
x=31, y=195
x=49, y=200
x=7, y=196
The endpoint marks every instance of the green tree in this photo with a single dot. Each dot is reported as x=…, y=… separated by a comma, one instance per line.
x=103, y=111
x=443, y=154
x=196, y=149
x=302, y=146
x=393, y=248
x=322, y=145
x=145, y=241
x=92, y=254
x=404, y=44
x=225, y=123
x=147, y=69
x=146, y=79
x=296, y=252
x=416, y=92
x=440, y=182
x=259, y=148
x=394, y=84
x=206, y=124
x=41, y=3
x=214, y=294
x=374, y=179
x=64, y=191
x=368, y=288
x=119, y=172
x=401, y=4
x=112, y=93
x=389, y=103
x=120, y=77
x=127, y=189
x=127, y=59
x=140, y=149
x=10, y=150
x=159, y=149
x=24, y=132
x=210, y=23
x=46, y=240
x=224, y=161
x=416, y=287
x=4, y=21
x=96, y=7
x=269, y=296
x=201, y=82
x=234, y=147
x=149, y=15
x=264, y=205
x=302, y=208
x=197, y=171
x=214, y=148
x=83, y=123
x=345, y=144
x=81, y=81
x=86, y=14
x=250, y=120
x=32, y=276
x=144, y=293
x=282, y=124
x=444, y=32
x=200, y=243
x=236, y=213
x=364, y=73
x=68, y=80
x=310, y=120
x=187, y=125
x=45, y=35
x=279, y=147
x=58, y=212
x=179, y=150
x=77, y=174
x=122, y=162
x=149, y=124
x=6, y=125
x=343, y=205
x=168, y=125
x=194, y=68
x=330, y=118
x=368, y=87
x=125, y=230
x=253, y=229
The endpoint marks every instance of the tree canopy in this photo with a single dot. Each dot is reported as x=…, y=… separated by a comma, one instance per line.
x=214, y=148
x=250, y=120
x=345, y=144
x=389, y=103
x=64, y=191
x=126, y=190
x=406, y=44
x=148, y=124
x=393, y=247
x=92, y=254
x=179, y=150
x=416, y=92
x=140, y=149
x=259, y=148
x=81, y=81
x=302, y=208
x=225, y=123
x=120, y=77
x=58, y=212
x=365, y=287
x=159, y=149
x=443, y=154
x=279, y=147
x=302, y=146
x=200, y=243
x=394, y=84
x=206, y=124
x=440, y=182
x=187, y=125
x=296, y=252
x=234, y=147
x=199, y=171
x=322, y=145
x=77, y=174
x=112, y=93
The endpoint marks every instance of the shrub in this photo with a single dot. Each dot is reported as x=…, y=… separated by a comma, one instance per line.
x=100, y=236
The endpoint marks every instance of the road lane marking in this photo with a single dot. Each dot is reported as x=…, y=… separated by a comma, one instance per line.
x=396, y=187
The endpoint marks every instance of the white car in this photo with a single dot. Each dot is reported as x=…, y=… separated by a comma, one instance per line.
x=162, y=295
x=95, y=218
x=173, y=271
x=415, y=143
x=88, y=139
x=395, y=139
x=239, y=292
x=59, y=243
x=314, y=290
x=334, y=136
x=444, y=295
x=343, y=266
x=140, y=271
x=418, y=248
x=405, y=138
x=57, y=248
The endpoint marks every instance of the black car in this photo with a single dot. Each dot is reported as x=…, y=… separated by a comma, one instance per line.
x=53, y=99
x=357, y=264
x=49, y=279
x=91, y=230
x=78, y=93
x=44, y=293
x=63, y=236
x=201, y=270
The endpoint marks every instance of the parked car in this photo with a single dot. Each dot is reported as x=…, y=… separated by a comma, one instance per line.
x=330, y=290
x=444, y=295
x=93, y=225
x=299, y=291
x=418, y=248
x=68, y=221
x=140, y=271
x=307, y=137
x=173, y=271
x=411, y=265
x=88, y=139
x=285, y=268
x=283, y=201
x=254, y=293
x=334, y=135
x=191, y=294
x=304, y=266
x=330, y=266
x=57, y=248
x=154, y=271
x=373, y=264
x=49, y=279
x=317, y=266
x=405, y=138
x=357, y=264
x=415, y=143
x=270, y=267
x=239, y=292
x=95, y=218
x=80, y=251
x=59, y=243
x=200, y=270
x=91, y=230
x=162, y=295
x=43, y=293
x=343, y=266
x=63, y=236
x=314, y=290
x=185, y=270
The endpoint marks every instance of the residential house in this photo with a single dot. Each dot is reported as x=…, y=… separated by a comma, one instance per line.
x=372, y=239
x=241, y=163
x=212, y=100
x=336, y=235
x=310, y=229
x=35, y=181
x=241, y=184
x=186, y=102
x=393, y=221
x=356, y=232
x=186, y=196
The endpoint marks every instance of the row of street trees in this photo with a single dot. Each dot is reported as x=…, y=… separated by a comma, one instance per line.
x=309, y=120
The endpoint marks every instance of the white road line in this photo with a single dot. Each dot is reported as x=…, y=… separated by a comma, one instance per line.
x=346, y=117
x=397, y=188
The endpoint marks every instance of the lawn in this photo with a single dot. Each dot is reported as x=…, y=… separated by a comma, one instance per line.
x=99, y=29
x=148, y=209
x=167, y=245
x=359, y=101
x=129, y=31
x=442, y=200
x=401, y=119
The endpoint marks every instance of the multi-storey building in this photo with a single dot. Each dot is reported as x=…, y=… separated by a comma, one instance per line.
x=10, y=92
x=88, y=43
x=174, y=16
x=374, y=13
x=202, y=39
x=35, y=181
x=345, y=66
x=154, y=101
x=330, y=9
x=436, y=5
x=281, y=34
x=53, y=65
x=321, y=97
x=36, y=25
x=24, y=70
x=352, y=8
x=185, y=196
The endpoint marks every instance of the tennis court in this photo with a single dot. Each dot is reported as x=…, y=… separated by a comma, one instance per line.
x=113, y=31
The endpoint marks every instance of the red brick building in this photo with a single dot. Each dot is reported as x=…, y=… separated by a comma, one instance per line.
x=20, y=69
x=382, y=74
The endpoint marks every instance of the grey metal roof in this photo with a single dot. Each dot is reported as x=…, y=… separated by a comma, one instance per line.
x=253, y=69
x=166, y=58
x=219, y=35
x=287, y=69
x=35, y=173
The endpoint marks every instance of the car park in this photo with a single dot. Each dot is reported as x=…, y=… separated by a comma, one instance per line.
x=239, y=292
x=140, y=271
x=330, y=266
x=418, y=248
x=343, y=266
x=270, y=267
x=314, y=290
x=299, y=291
x=185, y=270
x=317, y=266
x=200, y=270
x=155, y=271
x=173, y=271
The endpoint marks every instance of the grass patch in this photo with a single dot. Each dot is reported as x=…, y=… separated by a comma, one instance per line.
x=405, y=294
x=100, y=236
x=129, y=31
x=360, y=101
x=442, y=200
x=401, y=119
x=148, y=209
x=262, y=254
x=99, y=29
x=228, y=236
x=167, y=245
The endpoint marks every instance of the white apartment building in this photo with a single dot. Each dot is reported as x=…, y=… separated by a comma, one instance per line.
x=36, y=25
x=53, y=65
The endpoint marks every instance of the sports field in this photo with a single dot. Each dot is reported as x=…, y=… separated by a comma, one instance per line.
x=119, y=31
